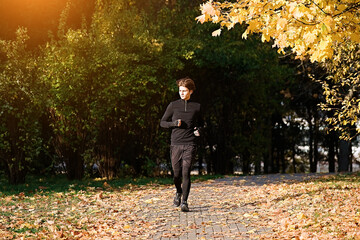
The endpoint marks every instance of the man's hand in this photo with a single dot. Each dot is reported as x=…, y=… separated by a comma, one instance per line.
x=177, y=123
x=196, y=132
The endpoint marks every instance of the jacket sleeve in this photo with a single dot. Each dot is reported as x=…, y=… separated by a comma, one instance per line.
x=165, y=123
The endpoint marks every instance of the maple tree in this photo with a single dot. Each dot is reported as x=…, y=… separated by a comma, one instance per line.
x=324, y=31
x=310, y=28
x=341, y=90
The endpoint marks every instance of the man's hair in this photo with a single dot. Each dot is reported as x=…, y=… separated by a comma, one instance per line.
x=186, y=82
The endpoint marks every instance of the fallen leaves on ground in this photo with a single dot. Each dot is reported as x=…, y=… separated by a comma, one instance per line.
x=76, y=215
x=328, y=208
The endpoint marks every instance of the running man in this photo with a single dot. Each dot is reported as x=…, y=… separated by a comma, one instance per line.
x=184, y=118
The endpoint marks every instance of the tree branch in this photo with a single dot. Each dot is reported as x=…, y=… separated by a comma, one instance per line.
x=319, y=7
x=354, y=6
x=305, y=22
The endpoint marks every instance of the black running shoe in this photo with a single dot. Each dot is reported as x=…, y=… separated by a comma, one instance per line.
x=177, y=199
x=184, y=207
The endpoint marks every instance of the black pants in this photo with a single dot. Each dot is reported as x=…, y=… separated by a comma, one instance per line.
x=182, y=157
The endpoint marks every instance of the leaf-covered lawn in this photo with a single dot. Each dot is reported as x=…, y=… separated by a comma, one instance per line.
x=94, y=213
x=327, y=208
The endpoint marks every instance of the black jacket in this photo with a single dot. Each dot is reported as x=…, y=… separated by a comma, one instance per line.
x=190, y=114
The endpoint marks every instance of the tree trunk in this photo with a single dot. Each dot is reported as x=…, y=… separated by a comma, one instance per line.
x=267, y=155
x=266, y=159
x=277, y=160
x=282, y=158
x=257, y=167
x=344, y=153
x=16, y=176
x=220, y=158
x=74, y=165
x=15, y=158
x=16, y=169
x=316, y=140
x=293, y=157
x=273, y=157
x=311, y=139
x=350, y=157
x=201, y=156
x=331, y=152
x=212, y=158
x=107, y=166
x=246, y=162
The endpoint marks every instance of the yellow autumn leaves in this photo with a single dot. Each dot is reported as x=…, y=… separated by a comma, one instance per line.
x=309, y=28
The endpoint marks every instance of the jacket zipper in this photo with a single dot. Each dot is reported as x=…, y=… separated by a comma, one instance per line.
x=185, y=105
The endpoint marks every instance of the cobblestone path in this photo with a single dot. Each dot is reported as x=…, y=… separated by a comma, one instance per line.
x=216, y=211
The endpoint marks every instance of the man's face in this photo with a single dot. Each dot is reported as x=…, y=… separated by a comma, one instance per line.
x=185, y=93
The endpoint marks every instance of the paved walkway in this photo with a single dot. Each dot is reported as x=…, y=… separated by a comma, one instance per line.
x=215, y=212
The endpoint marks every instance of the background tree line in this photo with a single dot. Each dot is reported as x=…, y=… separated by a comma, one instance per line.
x=87, y=84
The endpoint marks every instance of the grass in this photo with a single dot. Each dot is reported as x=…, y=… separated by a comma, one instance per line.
x=59, y=183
